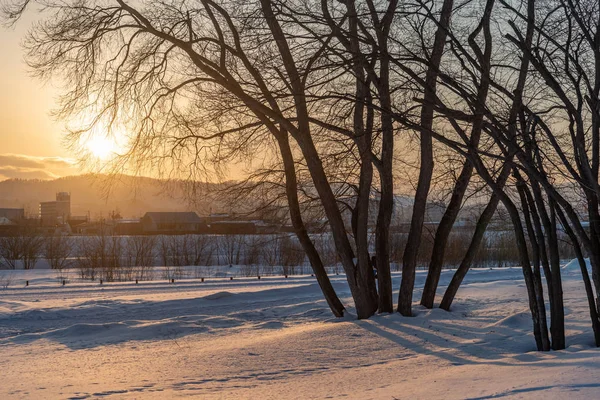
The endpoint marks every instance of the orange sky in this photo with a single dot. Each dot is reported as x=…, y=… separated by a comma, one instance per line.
x=30, y=140
x=31, y=144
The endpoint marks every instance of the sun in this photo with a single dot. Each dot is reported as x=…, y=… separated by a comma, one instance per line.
x=102, y=142
x=101, y=147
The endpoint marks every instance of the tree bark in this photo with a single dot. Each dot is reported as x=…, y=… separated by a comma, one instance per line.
x=480, y=228
x=386, y=202
x=589, y=290
x=363, y=137
x=291, y=188
x=531, y=218
x=409, y=259
x=366, y=306
x=546, y=232
x=532, y=282
x=445, y=227
x=557, y=317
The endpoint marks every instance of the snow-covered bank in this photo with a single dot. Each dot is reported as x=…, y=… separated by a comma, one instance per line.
x=275, y=338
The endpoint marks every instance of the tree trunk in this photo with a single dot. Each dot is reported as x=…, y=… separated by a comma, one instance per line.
x=409, y=259
x=445, y=227
x=480, y=228
x=589, y=290
x=363, y=300
x=538, y=249
x=594, y=250
x=366, y=306
x=291, y=188
x=557, y=327
x=382, y=243
x=551, y=263
x=442, y=234
x=386, y=203
x=363, y=139
x=532, y=281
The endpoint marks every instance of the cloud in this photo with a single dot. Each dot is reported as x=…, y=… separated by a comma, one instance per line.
x=29, y=167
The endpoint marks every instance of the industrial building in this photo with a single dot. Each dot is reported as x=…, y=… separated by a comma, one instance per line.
x=56, y=212
x=172, y=222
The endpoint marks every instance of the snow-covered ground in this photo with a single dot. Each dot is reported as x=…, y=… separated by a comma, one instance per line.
x=275, y=338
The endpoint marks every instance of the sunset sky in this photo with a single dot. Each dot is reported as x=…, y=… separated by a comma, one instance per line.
x=30, y=140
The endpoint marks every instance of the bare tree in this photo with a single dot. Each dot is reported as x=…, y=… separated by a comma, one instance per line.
x=21, y=248
x=426, y=162
x=11, y=251
x=58, y=251
x=32, y=246
x=230, y=247
x=138, y=41
x=445, y=227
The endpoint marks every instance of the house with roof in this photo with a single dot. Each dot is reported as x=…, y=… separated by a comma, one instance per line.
x=7, y=226
x=12, y=214
x=172, y=222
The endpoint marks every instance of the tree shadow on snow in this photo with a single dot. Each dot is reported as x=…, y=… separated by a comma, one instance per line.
x=94, y=323
x=509, y=393
x=489, y=341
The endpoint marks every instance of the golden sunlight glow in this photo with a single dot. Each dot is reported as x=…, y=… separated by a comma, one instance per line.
x=103, y=142
x=101, y=147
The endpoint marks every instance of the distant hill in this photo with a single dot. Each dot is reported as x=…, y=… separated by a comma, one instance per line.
x=131, y=196
x=134, y=196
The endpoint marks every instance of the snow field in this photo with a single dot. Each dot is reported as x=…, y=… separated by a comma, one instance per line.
x=275, y=339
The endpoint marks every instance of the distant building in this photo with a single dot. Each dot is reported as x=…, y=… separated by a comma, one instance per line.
x=172, y=222
x=233, y=228
x=213, y=217
x=12, y=214
x=6, y=221
x=95, y=228
x=128, y=227
x=56, y=212
x=12, y=221
x=264, y=227
x=76, y=220
x=7, y=227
